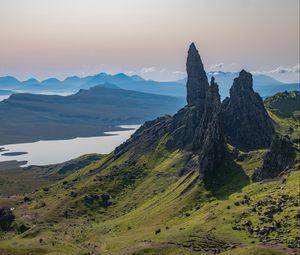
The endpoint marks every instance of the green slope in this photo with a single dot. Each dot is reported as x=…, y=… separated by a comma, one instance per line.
x=153, y=209
x=284, y=109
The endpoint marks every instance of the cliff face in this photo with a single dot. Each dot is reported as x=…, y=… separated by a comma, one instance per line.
x=212, y=144
x=197, y=83
x=280, y=157
x=196, y=128
x=201, y=126
x=247, y=123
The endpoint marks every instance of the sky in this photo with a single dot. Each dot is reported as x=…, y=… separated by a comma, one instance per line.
x=59, y=38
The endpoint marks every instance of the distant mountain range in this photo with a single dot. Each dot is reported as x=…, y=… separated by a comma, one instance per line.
x=28, y=117
x=263, y=84
x=74, y=83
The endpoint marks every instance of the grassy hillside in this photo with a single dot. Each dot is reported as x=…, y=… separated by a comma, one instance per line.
x=286, y=104
x=284, y=109
x=15, y=180
x=143, y=204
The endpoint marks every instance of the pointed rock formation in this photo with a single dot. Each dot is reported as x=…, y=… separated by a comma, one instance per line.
x=211, y=131
x=197, y=83
x=280, y=157
x=247, y=123
x=197, y=128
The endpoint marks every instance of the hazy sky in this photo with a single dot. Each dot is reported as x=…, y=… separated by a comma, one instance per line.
x=43, y=38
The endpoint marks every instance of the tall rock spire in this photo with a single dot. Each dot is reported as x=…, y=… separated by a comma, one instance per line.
x=209, y=135
x=197, y=128
x=197, y=83
x=247, y=123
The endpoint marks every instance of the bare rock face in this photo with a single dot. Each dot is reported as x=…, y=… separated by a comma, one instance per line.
x=197, y=83
x=280, y=157
x=6, y=218
x=211, y=130
x=197, y=128
x=247, y=123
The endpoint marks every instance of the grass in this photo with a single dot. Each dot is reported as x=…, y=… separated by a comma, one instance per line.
x=154, y=209
x=252, y=250
x=284, y=109
x=188, y=218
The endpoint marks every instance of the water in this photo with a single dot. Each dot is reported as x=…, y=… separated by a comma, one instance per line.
x=2, y=97
x=58, y=151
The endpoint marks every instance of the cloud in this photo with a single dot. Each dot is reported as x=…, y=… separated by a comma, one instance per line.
x=178, y=72
x=217, y=66
x=163, y=70
x=284, y=74
x=148, y=69
x=280, y=70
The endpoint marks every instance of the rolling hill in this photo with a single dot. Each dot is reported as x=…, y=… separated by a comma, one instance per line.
x=33, y=117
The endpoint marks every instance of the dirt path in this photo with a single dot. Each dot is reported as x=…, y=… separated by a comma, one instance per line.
x=282, y=248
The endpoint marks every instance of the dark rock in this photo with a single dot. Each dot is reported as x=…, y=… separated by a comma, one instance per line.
x=280, y=156
x=210, y=134
x=90, y=199
x=197, y=83
x=247, y=123
x=6, y=218
x=200, y=130
x=23, y=228
x=73, y=194
x=197, y=128
x=105, y=200
x=247, y=223
x=26, y=199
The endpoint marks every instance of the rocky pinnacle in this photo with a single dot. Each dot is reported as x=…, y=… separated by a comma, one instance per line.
x=197, y=83
x=247, y=123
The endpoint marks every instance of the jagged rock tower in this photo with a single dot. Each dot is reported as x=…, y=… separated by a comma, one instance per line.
x=197, y=128
x=197, y=84
x=247, y=123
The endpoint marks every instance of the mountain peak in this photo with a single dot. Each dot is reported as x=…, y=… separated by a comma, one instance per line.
x=197, y=83
x=196, y=128
x=247, y=123
x=193, y=47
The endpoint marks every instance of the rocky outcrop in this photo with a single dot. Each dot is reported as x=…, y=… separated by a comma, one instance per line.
x=197, y=83
x=280, y=157
x=247, y=123
x=6, y=218
x=196, y=128
x=211, y=131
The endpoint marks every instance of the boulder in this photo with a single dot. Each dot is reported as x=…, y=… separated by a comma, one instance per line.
x=6, y=218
